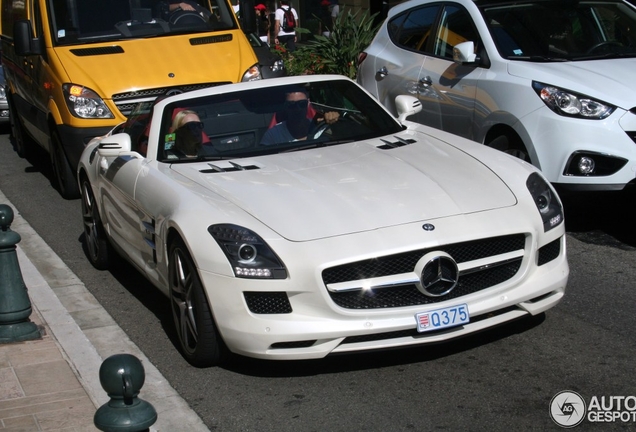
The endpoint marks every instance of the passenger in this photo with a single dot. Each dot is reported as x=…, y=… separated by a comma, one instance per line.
x=296, y=125
x=188, y=130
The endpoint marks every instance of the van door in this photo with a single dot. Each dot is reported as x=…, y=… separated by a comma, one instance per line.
x=36, y=88
x=447, y=89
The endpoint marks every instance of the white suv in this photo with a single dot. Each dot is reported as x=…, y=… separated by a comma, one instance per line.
x=552, y=82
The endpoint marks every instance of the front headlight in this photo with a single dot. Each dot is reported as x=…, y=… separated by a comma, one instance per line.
x=248, y=254
x=83, y=102
x=252, y=74
x=546, y=200
x=567, y=103
x=3, y=94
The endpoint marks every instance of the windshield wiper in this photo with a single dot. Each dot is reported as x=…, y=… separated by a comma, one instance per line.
x=606, y=56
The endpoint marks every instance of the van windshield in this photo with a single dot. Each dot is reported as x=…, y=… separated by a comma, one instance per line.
x=560, y=30
x=85, y=21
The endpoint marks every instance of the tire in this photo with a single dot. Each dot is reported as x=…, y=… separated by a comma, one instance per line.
x=201, y=343
x=511, y=145
x=63, y=175
x=97, y=246
x=19, y=138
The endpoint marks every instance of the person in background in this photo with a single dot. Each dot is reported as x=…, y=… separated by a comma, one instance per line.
x=188, y=131
x=262, y=22
x=325, y=18
x=334, y=9
x=288, y=39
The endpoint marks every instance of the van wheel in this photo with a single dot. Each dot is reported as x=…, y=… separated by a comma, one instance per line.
x=62, y=173
x=510, y=144
x=19, y=139
x=200, y=340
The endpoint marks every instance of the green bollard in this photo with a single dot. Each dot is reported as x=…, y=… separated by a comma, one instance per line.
x=122, y=376
x=15, y=306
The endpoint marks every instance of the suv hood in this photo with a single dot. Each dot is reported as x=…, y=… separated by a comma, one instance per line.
x=356, y=187
x=610, y=81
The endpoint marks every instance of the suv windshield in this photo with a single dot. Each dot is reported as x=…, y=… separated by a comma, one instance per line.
x=82, y=21
x=562, y=30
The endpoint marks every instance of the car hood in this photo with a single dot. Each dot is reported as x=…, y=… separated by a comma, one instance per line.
x=356, y=187
x=610, y=81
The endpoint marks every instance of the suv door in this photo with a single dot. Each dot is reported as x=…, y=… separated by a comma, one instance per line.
x=447, y=89
x=398, y=70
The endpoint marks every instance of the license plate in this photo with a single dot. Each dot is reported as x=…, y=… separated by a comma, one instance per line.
x=442, y=318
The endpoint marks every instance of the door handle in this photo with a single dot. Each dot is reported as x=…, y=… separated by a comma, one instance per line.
x=426, y=81
x=382, y=72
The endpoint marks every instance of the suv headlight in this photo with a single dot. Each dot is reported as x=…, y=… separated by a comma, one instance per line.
x=83, y=102
x=248, y=254
x=546, y=200
x=3, y=94
x=567, y=103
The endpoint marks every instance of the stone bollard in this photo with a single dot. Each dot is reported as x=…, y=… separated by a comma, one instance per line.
x=15, y=306
x=122, y=376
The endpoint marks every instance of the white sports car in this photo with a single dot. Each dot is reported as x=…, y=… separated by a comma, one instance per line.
x=296, y=217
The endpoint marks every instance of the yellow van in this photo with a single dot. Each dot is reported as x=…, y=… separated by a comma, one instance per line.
x=75, y=68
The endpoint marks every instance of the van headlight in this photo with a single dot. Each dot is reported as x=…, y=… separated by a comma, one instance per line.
x=248, y=254
x=546, y=200
x=83, y=102
x=252, y=74
x=567, y=103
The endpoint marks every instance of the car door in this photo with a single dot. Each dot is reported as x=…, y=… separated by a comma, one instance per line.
x=447, y=89
x=398, y=70
x=127, y=223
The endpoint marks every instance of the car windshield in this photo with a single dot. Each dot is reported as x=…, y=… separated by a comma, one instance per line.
x=561, y=30
x=271, y=120
x=82, y=21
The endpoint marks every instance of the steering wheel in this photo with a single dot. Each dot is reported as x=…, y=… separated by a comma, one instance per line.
x=603, y=44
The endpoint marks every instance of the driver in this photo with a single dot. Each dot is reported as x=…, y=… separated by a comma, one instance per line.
x=296, y=125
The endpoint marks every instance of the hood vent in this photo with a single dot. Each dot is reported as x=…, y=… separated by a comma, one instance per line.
x=211, y=39
x=233, y=167
x=399, y=143
x=84, y=52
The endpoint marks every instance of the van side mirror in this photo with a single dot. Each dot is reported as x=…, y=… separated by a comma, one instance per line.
x=23, y=40
x=247, y=16
x=465, y=53
x=407, y=106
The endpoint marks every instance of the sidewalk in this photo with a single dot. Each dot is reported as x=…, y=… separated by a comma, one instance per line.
x=52, y=384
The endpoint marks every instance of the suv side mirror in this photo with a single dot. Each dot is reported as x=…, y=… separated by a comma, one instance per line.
x=25, y=43
x=465, y=53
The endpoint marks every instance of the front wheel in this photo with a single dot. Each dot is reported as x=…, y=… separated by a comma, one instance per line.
x=62, y=173
x=200, y=340
x=97, y=246
x=511, y=145
x=19, y=138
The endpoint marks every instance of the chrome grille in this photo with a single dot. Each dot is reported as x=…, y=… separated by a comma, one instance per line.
x=503, y=254
x=126, y=101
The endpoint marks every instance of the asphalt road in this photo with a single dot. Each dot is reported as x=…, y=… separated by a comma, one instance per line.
x=503, y=379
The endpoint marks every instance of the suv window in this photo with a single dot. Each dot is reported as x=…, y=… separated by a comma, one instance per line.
x=412, y=30
x=456, y=26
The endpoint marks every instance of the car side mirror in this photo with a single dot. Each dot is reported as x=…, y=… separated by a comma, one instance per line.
x=113, y=145
x=465, y=53
x=407, y=106
x=23, y=40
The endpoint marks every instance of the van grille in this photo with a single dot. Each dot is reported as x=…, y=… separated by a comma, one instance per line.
x=126, y=101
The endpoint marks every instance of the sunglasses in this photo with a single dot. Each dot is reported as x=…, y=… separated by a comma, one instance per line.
x=194, y=126
x=297, y=105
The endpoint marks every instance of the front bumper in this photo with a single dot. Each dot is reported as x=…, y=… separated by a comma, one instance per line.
x=316, y=326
